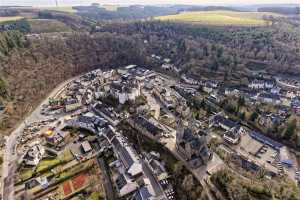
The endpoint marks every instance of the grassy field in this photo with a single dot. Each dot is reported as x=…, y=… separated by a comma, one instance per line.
x=67, y=9
x=7, y=19
x=110, y=7
x=47, y=26
x=220, y=18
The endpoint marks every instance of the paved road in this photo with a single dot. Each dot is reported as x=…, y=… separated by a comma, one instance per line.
x=10, y=157
x=107, y=181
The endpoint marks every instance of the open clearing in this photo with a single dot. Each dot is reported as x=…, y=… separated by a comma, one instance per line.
x=68, y=9
x=220, y=18
x=7, y=19
x=47, y=26
x=109, y=7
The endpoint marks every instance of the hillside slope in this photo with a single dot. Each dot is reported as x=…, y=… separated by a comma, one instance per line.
x=33, y=72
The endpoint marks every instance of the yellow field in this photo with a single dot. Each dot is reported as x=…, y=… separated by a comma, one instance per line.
x=220, y=18
x=7, y=19
x=110, y=7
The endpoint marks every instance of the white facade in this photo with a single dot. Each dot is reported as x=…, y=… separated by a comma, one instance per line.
x=207, y=89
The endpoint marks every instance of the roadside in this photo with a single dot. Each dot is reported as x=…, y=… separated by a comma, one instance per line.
x=10, y=157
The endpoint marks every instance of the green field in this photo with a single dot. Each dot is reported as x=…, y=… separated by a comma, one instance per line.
x=47, y=26
x=67, y=9
x=8, y=19
x=110, y=7
x=220, y=18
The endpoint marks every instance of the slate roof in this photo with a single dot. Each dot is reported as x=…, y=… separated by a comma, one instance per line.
x=154, y=130
x=143, y=194
x=226, y=122
x=124, y=155
x=266, y=140
x=269, y=96
x=121, y=181
x=234, y=133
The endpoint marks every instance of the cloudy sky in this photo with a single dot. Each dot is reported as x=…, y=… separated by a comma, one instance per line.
x=123, y=2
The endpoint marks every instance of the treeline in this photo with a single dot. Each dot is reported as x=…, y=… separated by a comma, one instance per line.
x=136, y=12
x=5, y=12
x=10, y=40
x=76, y=22
x=218, y=49
x=2, y=89
x=20, y=25
x=281, y=10
x=124, y=13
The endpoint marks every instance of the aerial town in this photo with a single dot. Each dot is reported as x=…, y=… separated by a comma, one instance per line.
x=86, y=140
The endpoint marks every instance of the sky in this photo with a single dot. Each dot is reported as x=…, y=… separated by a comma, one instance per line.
x=126, y=2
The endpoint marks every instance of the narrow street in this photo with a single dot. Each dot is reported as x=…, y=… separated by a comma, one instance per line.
x=106, y=181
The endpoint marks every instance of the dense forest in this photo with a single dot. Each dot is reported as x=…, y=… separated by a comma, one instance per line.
x=30, y=74
x=281, y=10
x=10, y=40
x=201, y=48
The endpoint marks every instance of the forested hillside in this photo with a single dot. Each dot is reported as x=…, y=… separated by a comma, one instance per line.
x=8, y=41
x=282, y=10
x=197, y=48
x=31, y=73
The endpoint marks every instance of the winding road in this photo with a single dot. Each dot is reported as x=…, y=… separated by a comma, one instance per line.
x=10, y=158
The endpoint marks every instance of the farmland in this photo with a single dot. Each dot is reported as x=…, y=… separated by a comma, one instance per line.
x=47, y=26
x=228, y=18
x=8, y=19
x=110, y=7
x=68, y=9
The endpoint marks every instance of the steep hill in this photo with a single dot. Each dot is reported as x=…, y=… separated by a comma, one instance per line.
x=31, y=73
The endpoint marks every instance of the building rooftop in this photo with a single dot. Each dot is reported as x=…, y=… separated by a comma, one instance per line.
x=266, y=140
x=269, y=96
x=143, y=194
x=86, y=146
x=154, y=130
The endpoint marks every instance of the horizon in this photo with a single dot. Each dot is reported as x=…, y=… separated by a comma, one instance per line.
x=62, y=3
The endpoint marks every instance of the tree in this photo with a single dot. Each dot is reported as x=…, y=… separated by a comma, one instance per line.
x=2, y=88
x=253, y=116
x=242, y=116
x=188, y=182
x=241, y=101
x=290, y=130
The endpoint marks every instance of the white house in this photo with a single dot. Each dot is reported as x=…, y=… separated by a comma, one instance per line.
x=207, y=89
x=261, y=84
x=34, y=154
x=290, y=94
x=125, y=91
